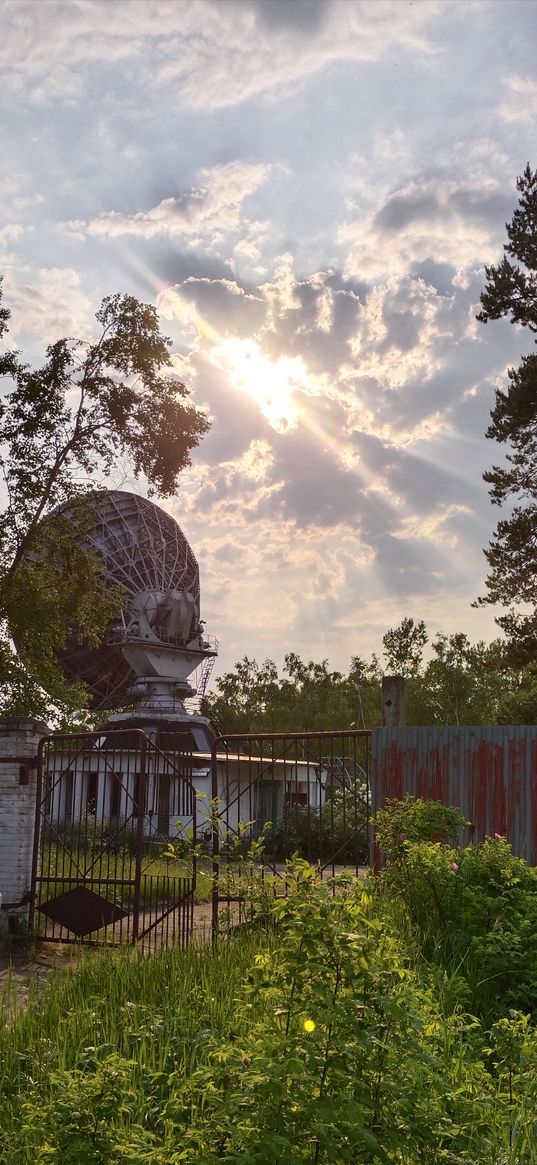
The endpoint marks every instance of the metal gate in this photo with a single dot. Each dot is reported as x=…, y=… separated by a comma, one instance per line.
x=107, y=805
x=282, y=794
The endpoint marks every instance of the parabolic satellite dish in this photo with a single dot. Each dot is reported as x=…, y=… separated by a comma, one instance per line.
x=159, y=640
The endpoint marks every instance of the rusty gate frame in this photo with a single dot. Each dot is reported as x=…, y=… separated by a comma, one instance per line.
x=138, y=932
x=238, y=746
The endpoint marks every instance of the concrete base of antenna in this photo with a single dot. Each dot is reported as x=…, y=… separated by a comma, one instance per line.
x=167, y=727
x=161, y=688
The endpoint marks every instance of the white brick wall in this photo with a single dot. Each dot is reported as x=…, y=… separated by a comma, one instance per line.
x=19, y=737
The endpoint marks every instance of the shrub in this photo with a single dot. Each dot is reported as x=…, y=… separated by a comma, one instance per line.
x=336, y=832
x=412, y=819
x=474, y=909
x=332, y=1050
x=336, y=1054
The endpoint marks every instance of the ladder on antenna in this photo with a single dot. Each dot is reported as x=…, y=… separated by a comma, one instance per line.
x=193, y=704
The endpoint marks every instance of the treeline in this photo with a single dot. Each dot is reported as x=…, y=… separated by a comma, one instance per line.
x=449, y=681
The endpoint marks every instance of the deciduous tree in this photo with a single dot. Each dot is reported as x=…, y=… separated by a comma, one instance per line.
x=404, y=646
x=93, y=406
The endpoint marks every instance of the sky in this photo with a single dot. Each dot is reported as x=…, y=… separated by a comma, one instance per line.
x=308, y=191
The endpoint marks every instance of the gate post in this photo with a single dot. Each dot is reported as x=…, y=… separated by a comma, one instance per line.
x=19, y=741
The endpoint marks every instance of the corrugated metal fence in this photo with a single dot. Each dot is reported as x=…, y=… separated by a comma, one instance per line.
x=488, y=772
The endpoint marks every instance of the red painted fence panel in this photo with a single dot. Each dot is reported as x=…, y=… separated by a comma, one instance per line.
x=488, y=772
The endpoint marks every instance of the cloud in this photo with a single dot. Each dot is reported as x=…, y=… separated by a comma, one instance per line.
x=229, y=307
x=11, y=232
x=520, y=102
x=395, y=361
x=215, y=54
x=306, y=191
x=212, y=208
x=381, y=459
x=260, y=54
x=444, y=218
x=49, y=304
x=352, y=501
x=295, y=15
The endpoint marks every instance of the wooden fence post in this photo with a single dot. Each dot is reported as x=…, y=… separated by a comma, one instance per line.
x=393, y=701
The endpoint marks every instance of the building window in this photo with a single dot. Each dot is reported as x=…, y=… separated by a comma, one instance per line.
x=115, y=794
x=92, y=788
x=295, y=799
x=69, y=791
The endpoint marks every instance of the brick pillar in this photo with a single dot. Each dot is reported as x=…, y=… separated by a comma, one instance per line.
x=19, y=740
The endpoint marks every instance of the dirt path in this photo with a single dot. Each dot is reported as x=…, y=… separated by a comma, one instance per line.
x=21, y=967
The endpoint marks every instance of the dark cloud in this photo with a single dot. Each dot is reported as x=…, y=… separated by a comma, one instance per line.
x=319, y=324
x=472, y=414
x=228, y=552
x=292, y=15
x=307, y=297
x=408, y=206
x=317, y=489
x=421, y=483
x=319, y=493
x=155, y=261
x=426, y=485
x=339, y=282
x=492, y=208
x=404, y=328
x=224, y=303
x=438, y=199
x=435, y=274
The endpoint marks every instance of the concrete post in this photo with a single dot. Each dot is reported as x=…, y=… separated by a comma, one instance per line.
x=19, y=740
x=393, y=701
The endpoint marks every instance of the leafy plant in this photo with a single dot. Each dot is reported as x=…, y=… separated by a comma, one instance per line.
x=344, y=1058
x=323, y=1040
x=473, y=908
x=413, y=819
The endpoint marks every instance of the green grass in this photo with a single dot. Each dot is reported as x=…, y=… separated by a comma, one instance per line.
x=157, y=1012
x=210, y=1049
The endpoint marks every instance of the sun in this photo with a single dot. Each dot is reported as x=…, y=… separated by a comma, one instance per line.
x=272, y=383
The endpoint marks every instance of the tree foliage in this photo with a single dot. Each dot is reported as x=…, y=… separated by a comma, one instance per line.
x=93, y=406
x=511, y=290
x=449, y=681
x=404, y=646
x=305, y=697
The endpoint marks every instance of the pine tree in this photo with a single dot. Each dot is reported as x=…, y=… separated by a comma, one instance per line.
x=511, y=291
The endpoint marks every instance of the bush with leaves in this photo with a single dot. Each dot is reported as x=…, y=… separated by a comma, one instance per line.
x=473, y=908
x=414, y=819
x=347, y=1058
x=336, y=1048
x=336, y=832
x=80, y=1125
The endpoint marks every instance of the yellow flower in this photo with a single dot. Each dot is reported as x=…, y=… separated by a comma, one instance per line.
x=309, y=1025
